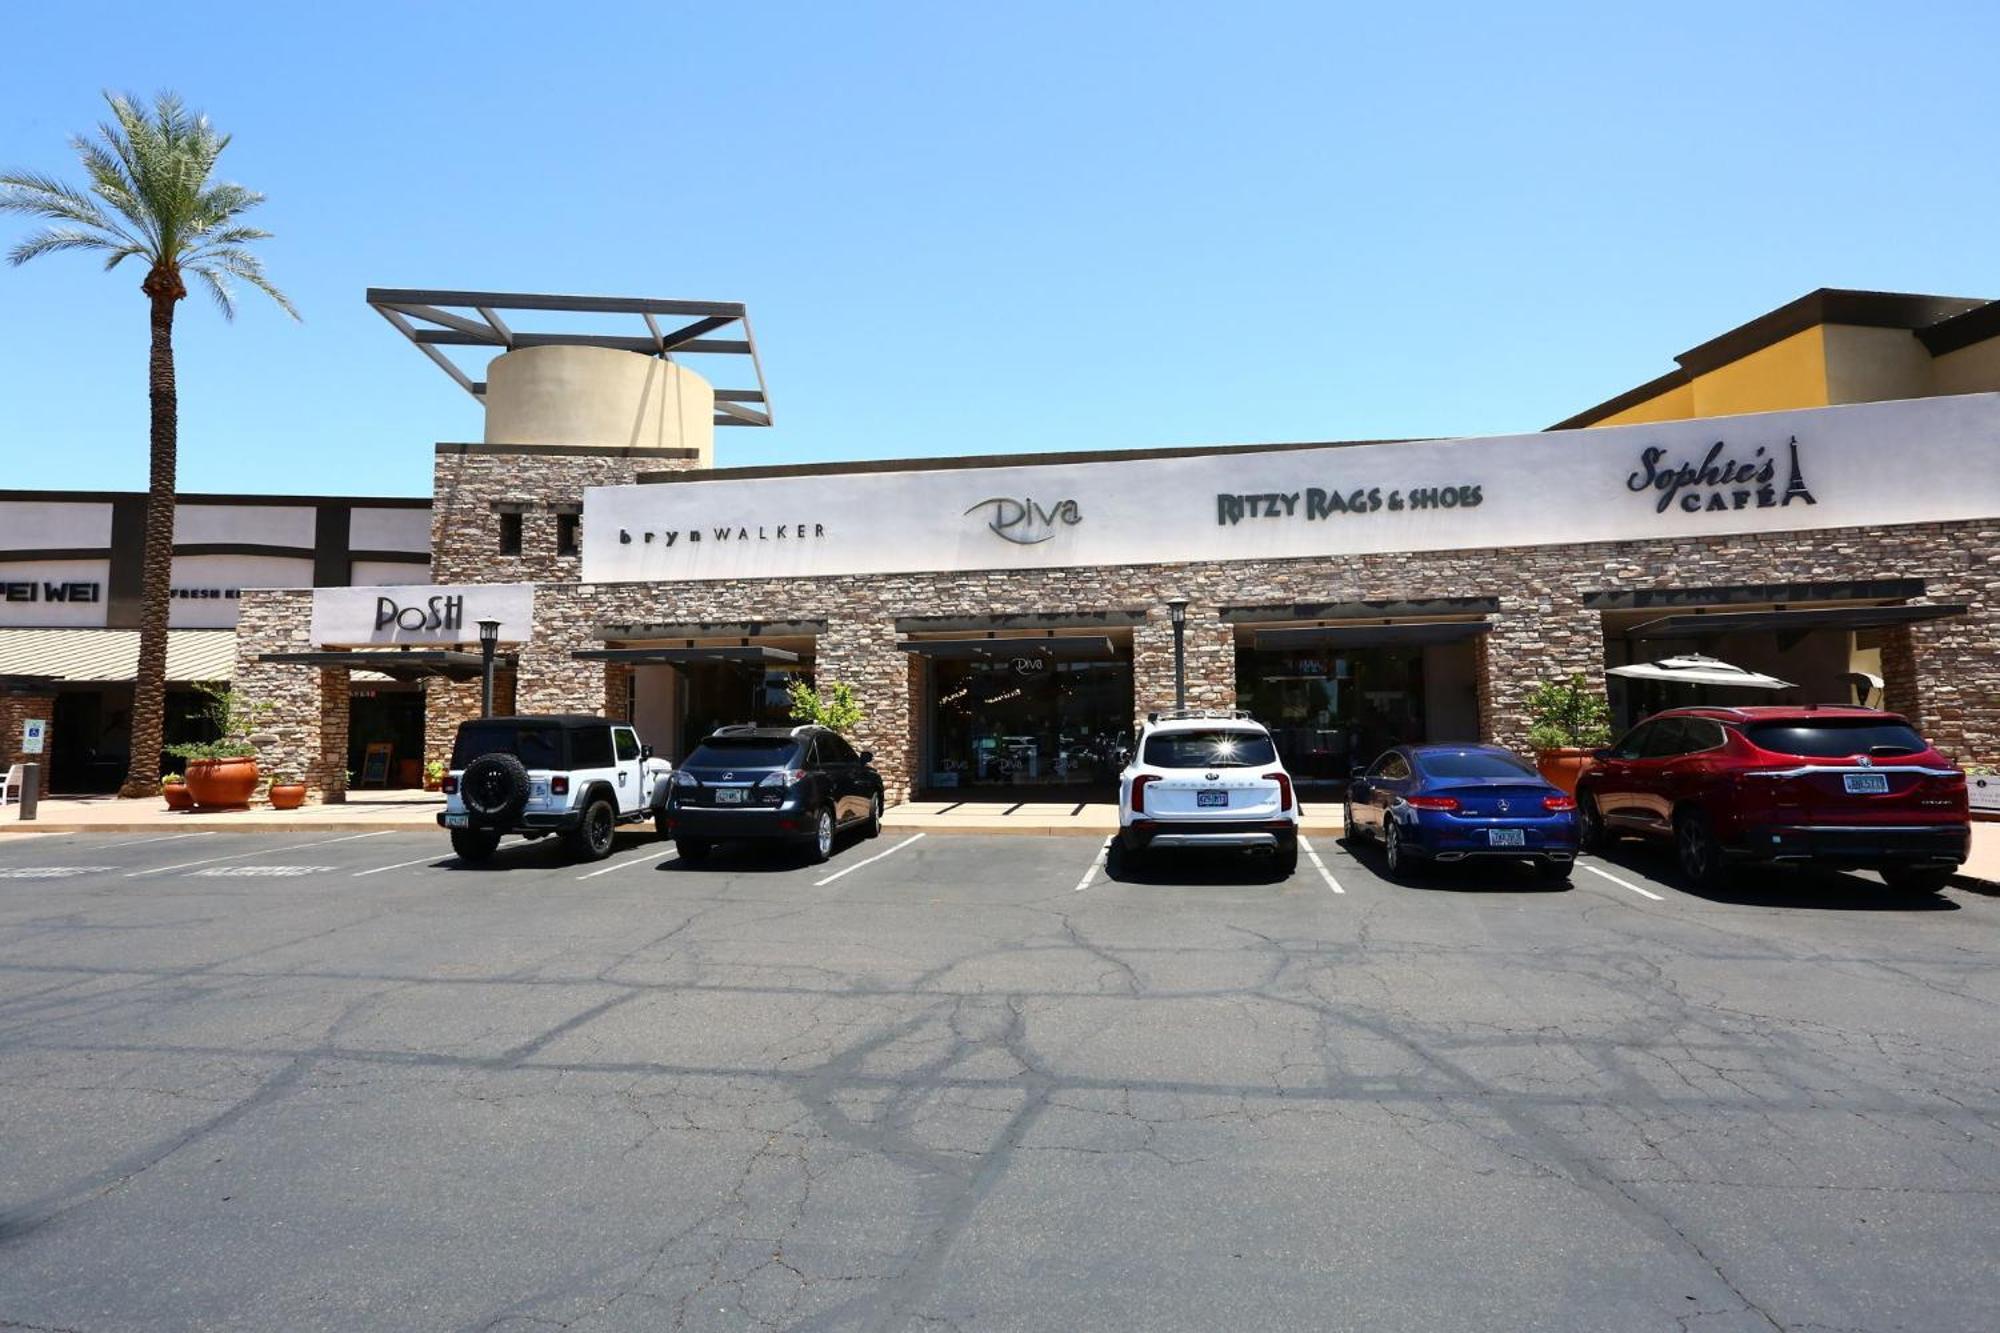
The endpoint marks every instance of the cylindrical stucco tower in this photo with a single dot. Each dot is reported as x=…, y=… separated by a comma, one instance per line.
x=596, y=398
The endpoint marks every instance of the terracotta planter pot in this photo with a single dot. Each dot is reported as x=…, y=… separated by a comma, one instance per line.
x=287, y=795
x=222, y=784
x=177, y=796
x=1561, y=768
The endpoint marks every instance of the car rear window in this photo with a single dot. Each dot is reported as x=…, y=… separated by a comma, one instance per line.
x=1836, y=737
x=750, y=752
x=535, y=747
x=1218, y=748
x=1474, y=764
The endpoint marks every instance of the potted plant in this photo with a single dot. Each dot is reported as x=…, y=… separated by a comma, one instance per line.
x=222, y=773
x=286, y=792
x=434, y=775
x=174, y=788
x=1567, y=721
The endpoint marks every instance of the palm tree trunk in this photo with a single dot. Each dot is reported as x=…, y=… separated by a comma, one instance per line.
x=149, y=690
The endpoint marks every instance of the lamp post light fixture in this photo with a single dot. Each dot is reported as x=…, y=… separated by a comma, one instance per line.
x=489, y=639
x=1177, y=612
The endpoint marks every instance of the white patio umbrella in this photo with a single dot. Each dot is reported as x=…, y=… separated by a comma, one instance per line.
x=1694, y=669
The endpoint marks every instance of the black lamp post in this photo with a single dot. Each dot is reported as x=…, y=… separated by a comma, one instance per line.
x=1177, y=611
x=489, y=639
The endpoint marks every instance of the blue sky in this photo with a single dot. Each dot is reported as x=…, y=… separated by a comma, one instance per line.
x=986, y=229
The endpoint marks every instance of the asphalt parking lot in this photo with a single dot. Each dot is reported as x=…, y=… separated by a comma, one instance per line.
x=954, y=1082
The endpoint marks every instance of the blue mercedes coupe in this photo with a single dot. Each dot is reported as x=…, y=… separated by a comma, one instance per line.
x=1444, y=803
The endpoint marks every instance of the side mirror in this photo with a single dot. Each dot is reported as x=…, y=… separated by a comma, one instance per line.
x=867, y=756
x=1601, y=755
x=645, y=752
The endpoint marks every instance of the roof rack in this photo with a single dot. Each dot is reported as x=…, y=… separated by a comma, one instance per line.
x=1192, y=714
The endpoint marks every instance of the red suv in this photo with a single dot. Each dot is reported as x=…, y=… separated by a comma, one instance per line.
x=1821, y=784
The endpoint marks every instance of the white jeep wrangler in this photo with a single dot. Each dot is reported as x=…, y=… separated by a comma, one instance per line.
x=578, y=776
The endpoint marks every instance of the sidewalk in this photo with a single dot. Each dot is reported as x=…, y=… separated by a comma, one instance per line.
x=370, y=811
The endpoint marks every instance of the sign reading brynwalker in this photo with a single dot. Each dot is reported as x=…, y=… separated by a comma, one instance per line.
x=435, y=615
x=1860, y=465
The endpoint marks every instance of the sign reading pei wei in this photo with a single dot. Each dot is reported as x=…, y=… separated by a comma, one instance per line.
x=436, y=615
x=1860, y=465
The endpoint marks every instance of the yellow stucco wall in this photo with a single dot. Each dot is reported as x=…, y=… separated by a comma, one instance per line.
x=1865, y=365
x=1788, y=373
x=1974, y=369
x=1675, y=404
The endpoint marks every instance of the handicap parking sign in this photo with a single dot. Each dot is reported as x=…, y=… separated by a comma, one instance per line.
x=33, y=730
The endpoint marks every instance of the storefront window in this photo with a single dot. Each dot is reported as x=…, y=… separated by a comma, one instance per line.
x=721, y=694
x=1333, y=712
x=1029, y=723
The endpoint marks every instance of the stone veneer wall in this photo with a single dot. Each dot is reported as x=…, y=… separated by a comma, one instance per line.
x=16, y=709
x=1950, y=682
x=468, y=480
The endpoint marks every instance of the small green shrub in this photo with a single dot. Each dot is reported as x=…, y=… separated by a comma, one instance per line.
x=836, y=710
x=1568, y=715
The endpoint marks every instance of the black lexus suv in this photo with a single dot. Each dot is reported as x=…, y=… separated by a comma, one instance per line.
x=800, y=785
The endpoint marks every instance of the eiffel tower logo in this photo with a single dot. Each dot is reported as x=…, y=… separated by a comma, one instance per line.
x=1795, y=489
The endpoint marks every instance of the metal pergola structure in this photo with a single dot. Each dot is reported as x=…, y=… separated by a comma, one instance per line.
x=435, y=320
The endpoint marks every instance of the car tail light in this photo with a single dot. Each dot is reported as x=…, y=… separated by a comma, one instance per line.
x=1431, y=802
x=1139, y=791
x=783, y=777
x=1558, y=804
x=559, y=785
x=450, y=784
x=1284, y=789
x=1949, y=791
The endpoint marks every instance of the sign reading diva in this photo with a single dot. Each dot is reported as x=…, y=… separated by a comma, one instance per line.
x=1819, y=468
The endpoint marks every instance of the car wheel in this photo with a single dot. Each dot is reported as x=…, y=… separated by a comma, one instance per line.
x=661, y=824
x=591, y=841
x=1590, y=836
x=1285, y=862
x=692, y=850
x=1347, y=830
x=873, y=828
x=474, y=845
x=1556, y=872
x=821, y=845
x=1917, y=879
x=1393, y=855
x=1699, y=854
x=495, y=787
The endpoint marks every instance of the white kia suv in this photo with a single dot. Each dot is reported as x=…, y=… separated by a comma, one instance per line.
x=1208, y=779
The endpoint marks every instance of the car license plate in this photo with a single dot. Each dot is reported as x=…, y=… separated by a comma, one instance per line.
x=1506, y=837
x=458, y=821
x=1202, y=798
x=729, y=796
x=1865, y=782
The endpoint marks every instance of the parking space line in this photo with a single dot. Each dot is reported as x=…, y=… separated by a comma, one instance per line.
x=168, y=837
x=869, y=862
x=262, y=851
x=1096, y=864
x=1312, y=854
x=420, y=861
x=637, y=860
x=1622, y=883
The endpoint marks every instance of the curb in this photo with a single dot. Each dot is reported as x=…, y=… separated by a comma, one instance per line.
x=275, y=826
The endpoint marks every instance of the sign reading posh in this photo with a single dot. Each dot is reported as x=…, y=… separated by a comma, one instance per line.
x=433, y=615
x=1859, y=465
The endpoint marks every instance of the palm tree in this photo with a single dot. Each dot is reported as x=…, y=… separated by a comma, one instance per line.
x=154, y=203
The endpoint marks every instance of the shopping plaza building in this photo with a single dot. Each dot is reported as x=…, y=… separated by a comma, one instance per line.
x=1814, y=495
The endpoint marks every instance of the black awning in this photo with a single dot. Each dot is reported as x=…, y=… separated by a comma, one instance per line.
x=753, y=652
x=1060, y=648
x=1370, y=636
x=397, y=663
x=28, y=684
x=1695, y=626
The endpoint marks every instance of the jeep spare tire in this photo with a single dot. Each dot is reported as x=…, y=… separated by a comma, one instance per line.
x=495, y=787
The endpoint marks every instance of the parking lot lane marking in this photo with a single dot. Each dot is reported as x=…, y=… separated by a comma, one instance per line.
x=168, y=837
x=1312, y=854
x=1623, y=883
x=869, y=862
x=262, y=851
x=420, y=861
x=1096, y=864
x=637, y=860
